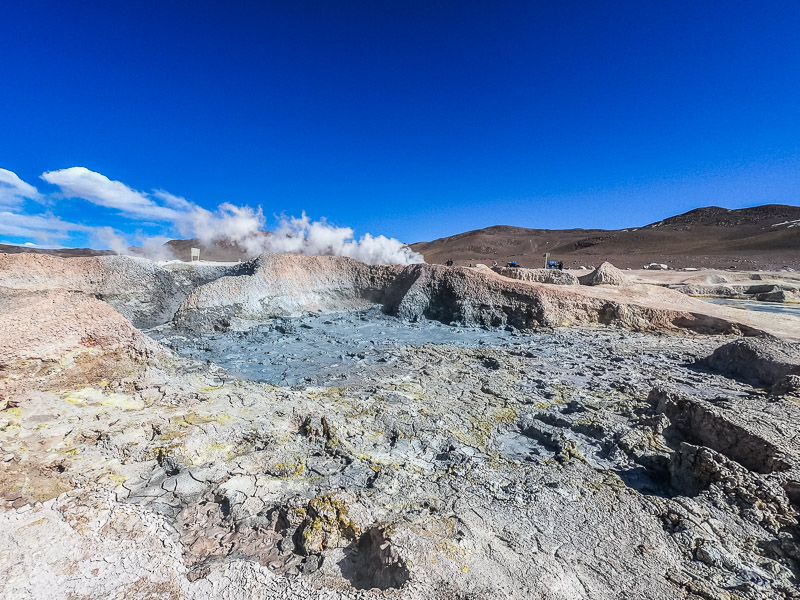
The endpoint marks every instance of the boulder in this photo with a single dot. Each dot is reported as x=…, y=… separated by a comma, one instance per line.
x=779, y=296
x=765, y=360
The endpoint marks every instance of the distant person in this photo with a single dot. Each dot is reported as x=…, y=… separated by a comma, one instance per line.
x=494, y=263
x=560, y=266
x=449, y=262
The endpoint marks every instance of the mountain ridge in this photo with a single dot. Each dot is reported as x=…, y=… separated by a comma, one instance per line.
x=759, y=238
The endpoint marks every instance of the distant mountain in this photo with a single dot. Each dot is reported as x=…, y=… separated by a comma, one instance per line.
x=762, y=237
x=766, y=215
x=62, y=252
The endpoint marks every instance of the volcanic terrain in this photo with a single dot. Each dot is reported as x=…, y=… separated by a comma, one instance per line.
x=315, y=427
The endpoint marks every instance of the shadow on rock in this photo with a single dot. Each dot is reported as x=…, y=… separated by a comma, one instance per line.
x=372, y=561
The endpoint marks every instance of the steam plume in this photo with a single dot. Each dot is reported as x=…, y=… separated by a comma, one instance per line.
x=242, y=225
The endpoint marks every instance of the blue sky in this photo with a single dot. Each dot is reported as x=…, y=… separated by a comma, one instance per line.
x=413, y=119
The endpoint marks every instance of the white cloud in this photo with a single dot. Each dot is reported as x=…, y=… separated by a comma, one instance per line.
x=176, y=202
x=43, y=228
x=80, y=182
x=13, y=190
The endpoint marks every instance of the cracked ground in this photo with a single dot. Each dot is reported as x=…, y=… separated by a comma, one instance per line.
x=573, y=463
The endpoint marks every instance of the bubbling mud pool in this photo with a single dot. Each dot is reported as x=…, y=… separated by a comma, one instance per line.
x=332, y=349
x=316, y=349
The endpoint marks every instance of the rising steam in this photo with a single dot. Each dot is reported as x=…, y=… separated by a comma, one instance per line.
x=245, y=227
x=240, y=225
x=303, y=236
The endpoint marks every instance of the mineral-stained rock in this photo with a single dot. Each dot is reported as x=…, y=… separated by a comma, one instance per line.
x=327, y=525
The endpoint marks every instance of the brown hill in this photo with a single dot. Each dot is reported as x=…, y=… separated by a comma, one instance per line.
x=62, y=252
x=220, y=250
x=762, y=237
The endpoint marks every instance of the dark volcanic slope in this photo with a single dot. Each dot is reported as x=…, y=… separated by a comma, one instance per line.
x=62, y=252
x=763, y=237
x=218, y=251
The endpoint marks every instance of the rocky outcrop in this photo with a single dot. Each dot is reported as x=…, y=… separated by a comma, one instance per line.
x=768, y=361
x=765, y=292
x=286, y=285
x=605, y=274
x=551, y=276
x=47, y=325
x=708, y=291
x=144, y=292
x=780, y=295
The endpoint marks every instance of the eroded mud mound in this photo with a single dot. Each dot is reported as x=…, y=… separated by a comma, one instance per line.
x=221, y=297
x=144, y=292
x=47, y=325
x=553, y=276
x=605, y=274
x=285, y=285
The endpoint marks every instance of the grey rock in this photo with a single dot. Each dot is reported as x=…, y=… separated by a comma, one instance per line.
x=766, y=360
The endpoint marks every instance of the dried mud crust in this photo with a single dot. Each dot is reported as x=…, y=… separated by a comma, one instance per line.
x=573, y=464
x=569, y=463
